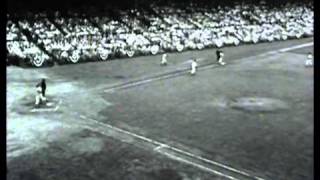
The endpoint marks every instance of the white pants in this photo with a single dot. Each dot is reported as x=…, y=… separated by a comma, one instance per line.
x=309, y=62
x=39, y=98
x=163, y=61
x=193, y=71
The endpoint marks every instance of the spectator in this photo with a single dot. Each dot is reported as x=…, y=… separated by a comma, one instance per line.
x=175, y=29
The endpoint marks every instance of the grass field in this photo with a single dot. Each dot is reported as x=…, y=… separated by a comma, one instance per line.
x=132, y=119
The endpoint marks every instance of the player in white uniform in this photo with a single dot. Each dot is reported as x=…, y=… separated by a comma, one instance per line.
x=164, y=61
x=309, y=61
x=194, y=66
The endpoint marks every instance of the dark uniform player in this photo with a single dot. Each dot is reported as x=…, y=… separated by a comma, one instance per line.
x=220, y=55
x=43, y=87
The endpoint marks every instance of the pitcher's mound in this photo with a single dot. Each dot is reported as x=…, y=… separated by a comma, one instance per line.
x=258, y=104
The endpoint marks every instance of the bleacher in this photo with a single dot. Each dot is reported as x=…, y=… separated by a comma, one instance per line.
x=41, y=38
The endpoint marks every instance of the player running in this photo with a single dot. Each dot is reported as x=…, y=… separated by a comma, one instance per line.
x=194, y=66
x=164, y=61
x=309, y=61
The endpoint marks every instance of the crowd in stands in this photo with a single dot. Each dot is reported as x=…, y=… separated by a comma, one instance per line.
x=152, y=31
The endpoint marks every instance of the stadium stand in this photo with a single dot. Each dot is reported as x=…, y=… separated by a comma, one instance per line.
x=38, y=39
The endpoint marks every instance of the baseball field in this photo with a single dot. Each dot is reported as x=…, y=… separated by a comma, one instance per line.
x=132, y=119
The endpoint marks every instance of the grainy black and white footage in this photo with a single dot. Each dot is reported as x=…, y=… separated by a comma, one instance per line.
x=160, y=90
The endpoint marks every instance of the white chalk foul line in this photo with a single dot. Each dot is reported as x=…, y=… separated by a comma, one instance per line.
x=199, y=166
x=42, y=110
x=159, y=147
x=166, y=76
x=163, y=145
x=296, y=47
x=144, y=81
x=185, y=70
x=279, y=50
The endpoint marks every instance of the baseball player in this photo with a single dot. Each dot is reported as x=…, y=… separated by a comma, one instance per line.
x=309, y=61
x=44, y=87
x=164, y=59
x=194, y=66
x=220, y=56
x=40, y=92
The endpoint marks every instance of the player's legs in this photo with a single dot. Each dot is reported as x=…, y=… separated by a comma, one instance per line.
x=44, y=93
x=164, y=60
x=220, y=61
x=42, y=98
x=163, y=63
x=309, y=62
x=37, y=100
x=193, y=71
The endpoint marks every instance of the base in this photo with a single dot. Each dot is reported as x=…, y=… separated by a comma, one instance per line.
x=48, y=106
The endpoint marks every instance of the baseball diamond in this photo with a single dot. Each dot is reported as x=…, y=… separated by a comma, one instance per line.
x=181, y=91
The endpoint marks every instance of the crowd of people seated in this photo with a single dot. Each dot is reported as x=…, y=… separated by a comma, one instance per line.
x=20, y=47
x=159, y=29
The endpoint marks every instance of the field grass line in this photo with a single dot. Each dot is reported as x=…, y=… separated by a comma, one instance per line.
x=163, y=145
x=182, y=71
